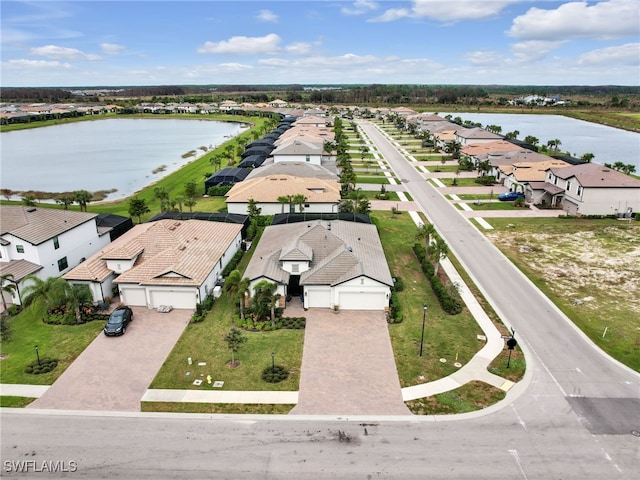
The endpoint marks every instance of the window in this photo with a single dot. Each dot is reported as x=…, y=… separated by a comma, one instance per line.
x=62, y=264
x=294, y=268
x=20, y=248
x=579, y=190
x=568, y=186
x=56, y=243
x=308, y=158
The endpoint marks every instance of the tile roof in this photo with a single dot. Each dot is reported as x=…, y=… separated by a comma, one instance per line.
x=175, y=252
x=269, y=188
x=476, y=132
x=596, y=175
x=37, y=225
x=498, y=146
x=535, y=171
x=295, y=169
x=298, y=147
x=340, y=251
x=18, y=269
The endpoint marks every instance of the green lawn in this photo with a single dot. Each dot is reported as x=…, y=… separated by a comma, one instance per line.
x=492, y=206
x=229, y=408
x=62, y=342
x=462, y=182
x=468, y=398
x=379, y=180
x=450, y=337
x=441, y=168
x=15, y=402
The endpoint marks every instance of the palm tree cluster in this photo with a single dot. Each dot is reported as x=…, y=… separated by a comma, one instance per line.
x=263, y=301
x=54, y=292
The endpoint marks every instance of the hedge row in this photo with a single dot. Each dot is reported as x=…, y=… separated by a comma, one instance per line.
x=233, y=263
x=449, y=298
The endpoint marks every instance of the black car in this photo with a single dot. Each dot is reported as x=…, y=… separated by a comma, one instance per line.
x=118, y=321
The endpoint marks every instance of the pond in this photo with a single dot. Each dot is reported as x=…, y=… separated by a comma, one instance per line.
x=608, y=144
x=119, y=153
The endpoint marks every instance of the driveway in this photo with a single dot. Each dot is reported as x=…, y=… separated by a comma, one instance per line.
x=348, y=366
x=113, y=373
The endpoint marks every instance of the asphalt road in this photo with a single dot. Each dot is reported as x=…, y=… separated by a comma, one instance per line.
x=574, y=416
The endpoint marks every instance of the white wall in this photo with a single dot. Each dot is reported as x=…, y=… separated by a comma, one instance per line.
x=276, y=208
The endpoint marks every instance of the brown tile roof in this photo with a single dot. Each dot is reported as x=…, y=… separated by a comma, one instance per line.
x=475, y=133
x=18, y=269
x=268, y=189
x=535, y=171
x=295, y=169
x=297, y=146
x=596, y=175
x=477, y=149
x=343, y=251
x=176, y=252
x=37, y=225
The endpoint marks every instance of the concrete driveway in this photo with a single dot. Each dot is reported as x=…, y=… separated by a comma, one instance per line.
x=348, y=366
x=114, y=372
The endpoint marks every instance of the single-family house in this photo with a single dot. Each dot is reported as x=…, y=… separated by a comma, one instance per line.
x=329, y=264
x=46, y=242
x=594, y=189
x=298, y=150
x=523, y=173
x=316, y=195
x=166, y=262
x=468, y=136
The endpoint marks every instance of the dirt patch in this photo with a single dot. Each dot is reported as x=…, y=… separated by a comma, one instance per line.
x=585, y=267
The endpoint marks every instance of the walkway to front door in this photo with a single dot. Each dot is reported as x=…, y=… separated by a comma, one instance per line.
x=348, y=366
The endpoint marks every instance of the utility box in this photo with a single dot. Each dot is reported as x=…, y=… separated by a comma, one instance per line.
x=217, y=291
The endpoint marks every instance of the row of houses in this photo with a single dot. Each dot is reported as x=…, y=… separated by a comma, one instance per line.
x=578, y=187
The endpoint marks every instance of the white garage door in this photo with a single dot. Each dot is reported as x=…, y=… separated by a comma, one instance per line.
x=177, y=299
x=362, y=301
x=134, y=297
x=318, y=297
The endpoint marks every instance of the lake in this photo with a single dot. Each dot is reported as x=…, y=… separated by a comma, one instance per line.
x=608, y=144
x=117, y=153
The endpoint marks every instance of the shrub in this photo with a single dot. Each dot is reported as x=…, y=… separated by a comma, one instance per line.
x=233, y=263
x=398, y=284
x=395, y=309
x=13, y=310
x=449, y=299
x=218, y=191
x=5, y=329
x=44, y=366
x=275, y=375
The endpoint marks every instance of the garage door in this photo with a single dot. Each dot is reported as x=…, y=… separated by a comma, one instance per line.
x=177, y=299
x=362, y=300
x=318, y=297
x=134, y=297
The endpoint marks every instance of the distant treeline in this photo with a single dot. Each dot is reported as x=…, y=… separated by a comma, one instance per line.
x=375, y=94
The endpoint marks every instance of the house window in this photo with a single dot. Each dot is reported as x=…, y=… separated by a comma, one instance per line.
x=568, y=186
x=306, y=205
x=294, y=268
x=308, y=158
x=579, y=190
x=362, y=281
x=62, y=264
x=20, y=248
x=56, y=243
x=555, y=181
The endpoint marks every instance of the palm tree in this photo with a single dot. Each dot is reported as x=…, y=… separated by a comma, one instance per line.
x=236, y=286
x=82, y=198
x=282, y=200
x=437, y=250
x=426, y=232
x=65, y=199
x=531, y=140
x=265, y=299
x=555, y=143
x=50, y=292
x=10, y=287
x=216, y=160
x=75, y=297
x=299, y=199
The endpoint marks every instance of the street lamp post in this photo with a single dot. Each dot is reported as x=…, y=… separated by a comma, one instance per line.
x=37, y=354
x=424, y=318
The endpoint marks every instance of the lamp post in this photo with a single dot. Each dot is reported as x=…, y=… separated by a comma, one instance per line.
x=424, y=318
x=273, y=362
x=37, y=354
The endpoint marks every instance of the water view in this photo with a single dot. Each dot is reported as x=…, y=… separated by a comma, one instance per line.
x=608, y=144
x=107, y=154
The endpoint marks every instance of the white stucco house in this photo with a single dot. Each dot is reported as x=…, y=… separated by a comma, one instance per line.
x=166, y=262
x=321, y=195
x=329, y=264
x=45, y=242
x=593, y=189
x=299, y=150
x=469, y=136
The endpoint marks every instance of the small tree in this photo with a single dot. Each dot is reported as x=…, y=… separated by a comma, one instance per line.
x=9, y=287
x=82, y=198
x=235, y=338
x=138, y=207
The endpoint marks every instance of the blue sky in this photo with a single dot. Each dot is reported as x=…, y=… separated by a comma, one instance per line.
x=112, y=43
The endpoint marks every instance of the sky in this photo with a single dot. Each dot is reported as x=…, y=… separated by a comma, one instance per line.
x=479, y=42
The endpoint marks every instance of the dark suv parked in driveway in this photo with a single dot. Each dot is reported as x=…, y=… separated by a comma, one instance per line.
x=118, y=321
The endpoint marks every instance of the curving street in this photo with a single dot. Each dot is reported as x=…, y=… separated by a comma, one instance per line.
x=576, y=415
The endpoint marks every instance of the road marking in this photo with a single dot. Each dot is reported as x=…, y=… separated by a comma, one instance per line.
x=520, y=421
x=514, y=454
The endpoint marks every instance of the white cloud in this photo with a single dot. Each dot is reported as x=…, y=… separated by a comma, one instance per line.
x=619, y=55
x=604, y=20
x=267, y=16
x=359, y=7
x=243, y=45
x=39, y=64
x=112, y=48
x=60, y=53
x=533, y=50
x=298, y=48
x=482, y=57
x=448, y=11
